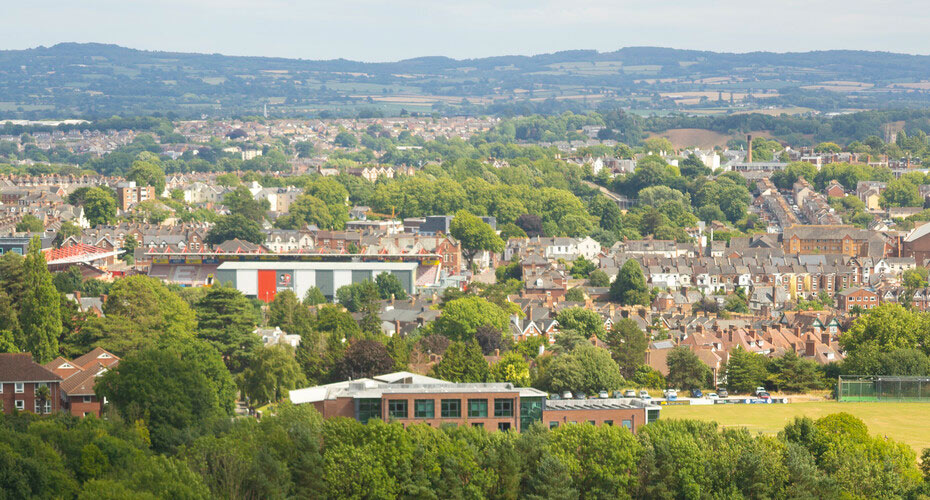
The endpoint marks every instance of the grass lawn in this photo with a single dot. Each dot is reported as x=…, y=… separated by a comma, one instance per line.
x=905, y=422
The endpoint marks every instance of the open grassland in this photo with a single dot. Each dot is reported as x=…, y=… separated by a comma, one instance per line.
x=905, y=422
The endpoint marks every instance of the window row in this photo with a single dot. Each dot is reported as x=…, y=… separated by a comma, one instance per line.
x=448, y=408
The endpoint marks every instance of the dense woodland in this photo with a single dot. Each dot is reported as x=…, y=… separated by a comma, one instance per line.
x=297, y=454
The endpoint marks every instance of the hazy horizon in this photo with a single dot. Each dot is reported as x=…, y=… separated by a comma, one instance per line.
x=365, y=30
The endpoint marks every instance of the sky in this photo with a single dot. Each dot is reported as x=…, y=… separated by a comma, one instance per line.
x=371, y=30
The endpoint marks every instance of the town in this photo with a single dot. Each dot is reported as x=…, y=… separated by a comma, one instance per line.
x=426, y=305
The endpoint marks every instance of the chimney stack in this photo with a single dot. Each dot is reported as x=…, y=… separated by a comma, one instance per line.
x=749, y=148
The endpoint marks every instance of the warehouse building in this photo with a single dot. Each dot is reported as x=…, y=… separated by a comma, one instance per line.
x=264, y=279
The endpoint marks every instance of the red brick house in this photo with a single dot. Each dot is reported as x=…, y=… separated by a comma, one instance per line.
x=79, y=379
x=20, y=380
x=852, y=297
x=835, y=189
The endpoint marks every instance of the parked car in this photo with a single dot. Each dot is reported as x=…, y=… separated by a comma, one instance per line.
x=644, y=395
x=629, y=393
x=722, y=392
x=566, y=394
x=671, y=394
x=555, y=396
x=603, y=395
x=712, y=395
x=759, y=390
x=618, y=394
x=696, y=393
x=763, y=395
x=581, y=395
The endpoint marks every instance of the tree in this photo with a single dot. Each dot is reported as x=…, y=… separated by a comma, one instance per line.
x=598, y=278
x=461, y=318
x=147, y=171
x=791, y=373
x=601, y=460
x=99, y=206
x=583, y=368
x=511, y=230
x=30, y=224
x=737, y=301
x=314, y=296
x=175, y=388
x=489, y=338
x=629, y=287
x=582, y=267
x=901, y=193
x=583, y=321
x=885, y=328
x=745, y=371
x=227, y=320
x=68, y=281
x=67, y=230
x=359, y=297
x=389, y=287
x=235, y=226
x=308, y=209
x=685, y=370
x=474, y=235
x=284, y=309
x=241, y=202
x=512, y=368
x=40, y=316
x=345, y=139
x=462, y=362
x=365, y=359
x=138, y=310
x=530, y=224
x=270, y=374
x=574, y=295
x=627, y=344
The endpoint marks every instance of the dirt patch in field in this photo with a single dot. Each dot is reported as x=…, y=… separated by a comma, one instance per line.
x=694, y=137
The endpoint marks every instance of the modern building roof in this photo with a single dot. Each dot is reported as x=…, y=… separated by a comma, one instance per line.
x=596, y=404
x=400, y=383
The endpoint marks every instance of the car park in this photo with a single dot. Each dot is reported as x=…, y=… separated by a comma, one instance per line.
x=581, y=395
x=603, y=395
x=644, y=395
x=629, y=393
x=764, y=395
x=554, y=396
x=618, y=394
x=759, y=390
x=722, y=392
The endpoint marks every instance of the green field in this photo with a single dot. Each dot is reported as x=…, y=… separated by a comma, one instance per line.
x=905, y=422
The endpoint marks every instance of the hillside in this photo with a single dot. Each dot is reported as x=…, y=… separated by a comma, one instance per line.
x=100, y=80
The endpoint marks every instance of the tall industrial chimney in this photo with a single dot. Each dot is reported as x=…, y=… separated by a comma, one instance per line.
x=749, y=148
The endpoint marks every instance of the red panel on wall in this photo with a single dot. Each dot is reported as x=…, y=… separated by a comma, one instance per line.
x=266, y=284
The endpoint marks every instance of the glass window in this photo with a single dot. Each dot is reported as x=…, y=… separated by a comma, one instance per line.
x=503, y=426
x=553, y=425
x=592, y=422
x=87, y=399
x=20, y=404
x=424, y=408
x=477, y=424
x=608, y=422
x=368, y=409
x=19, y=388
x=397, y=408
x=35, y=388
x=477, y=407
x=451, y=408
x=628, y=424
x=503, y=407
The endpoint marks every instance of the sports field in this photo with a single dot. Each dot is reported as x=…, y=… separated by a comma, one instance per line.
x=905, y=422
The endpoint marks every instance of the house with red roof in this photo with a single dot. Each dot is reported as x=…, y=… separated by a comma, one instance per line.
x=20, y=381
x=79, y=377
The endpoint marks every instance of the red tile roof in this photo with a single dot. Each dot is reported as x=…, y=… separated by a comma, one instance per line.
x=20, y=367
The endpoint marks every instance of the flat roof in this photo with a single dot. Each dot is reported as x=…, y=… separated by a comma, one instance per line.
x=374, y=266
x=597, y=404
x=447, y=388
